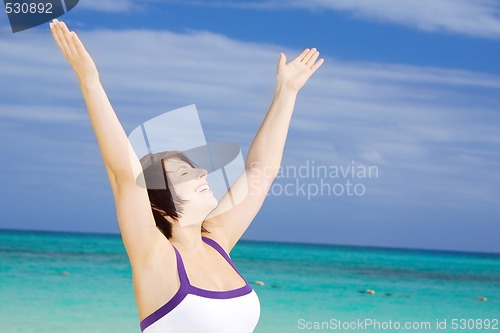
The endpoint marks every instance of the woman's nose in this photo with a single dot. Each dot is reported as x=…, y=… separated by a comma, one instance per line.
x=201, y=173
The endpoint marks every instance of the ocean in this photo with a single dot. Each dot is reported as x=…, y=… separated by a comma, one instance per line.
x=81, y=283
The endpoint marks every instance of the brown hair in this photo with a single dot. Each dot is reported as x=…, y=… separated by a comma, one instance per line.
x=162, y=201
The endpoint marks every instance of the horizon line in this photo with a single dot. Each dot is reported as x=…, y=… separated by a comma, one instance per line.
x=474, y=253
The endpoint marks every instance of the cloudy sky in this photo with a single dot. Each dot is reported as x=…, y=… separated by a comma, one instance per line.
x=409, y=90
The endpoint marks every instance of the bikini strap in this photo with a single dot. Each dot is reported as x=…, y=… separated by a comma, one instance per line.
x=180, y=268
x=223, y=253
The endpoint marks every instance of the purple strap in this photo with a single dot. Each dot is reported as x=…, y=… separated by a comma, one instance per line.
x=223, y=253
x=180, y=269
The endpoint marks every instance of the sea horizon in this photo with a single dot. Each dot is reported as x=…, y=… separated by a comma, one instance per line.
x=347, y=246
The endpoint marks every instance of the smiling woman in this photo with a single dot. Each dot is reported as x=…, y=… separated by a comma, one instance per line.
x=177, y=238
x=176, y=171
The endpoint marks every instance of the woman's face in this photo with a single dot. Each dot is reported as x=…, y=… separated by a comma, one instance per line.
x=190, y=184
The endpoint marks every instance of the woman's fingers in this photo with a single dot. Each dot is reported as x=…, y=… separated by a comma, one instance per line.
x=317, y=65
x=70, y=38
x=57, y=38
x=313, y=59
x=309, y=55
x=282, y=60
x=78, y=43
x=67, y=38
x=302, y=55
x=63, y=37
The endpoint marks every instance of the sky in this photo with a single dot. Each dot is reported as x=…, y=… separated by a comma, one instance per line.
x=404, y=114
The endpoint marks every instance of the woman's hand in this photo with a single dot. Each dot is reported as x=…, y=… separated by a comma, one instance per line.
x=296, y=73
x=74, y=51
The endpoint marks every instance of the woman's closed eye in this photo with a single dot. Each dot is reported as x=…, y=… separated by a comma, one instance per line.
x=182, y=171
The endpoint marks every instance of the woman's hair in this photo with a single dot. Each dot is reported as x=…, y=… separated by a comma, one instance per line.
x=162, y=199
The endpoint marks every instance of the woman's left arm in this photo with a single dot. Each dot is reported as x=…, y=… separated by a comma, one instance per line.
x=265, y=154
x=267, y=147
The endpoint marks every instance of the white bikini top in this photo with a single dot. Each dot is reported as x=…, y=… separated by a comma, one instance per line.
x=196, y=310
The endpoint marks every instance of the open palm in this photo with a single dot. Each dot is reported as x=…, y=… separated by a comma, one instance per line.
x=73, y=50
x=296, y=73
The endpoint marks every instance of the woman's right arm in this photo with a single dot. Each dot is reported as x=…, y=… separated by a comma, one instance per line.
x=139, y=232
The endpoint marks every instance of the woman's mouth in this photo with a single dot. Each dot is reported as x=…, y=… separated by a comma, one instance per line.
x=202, y=188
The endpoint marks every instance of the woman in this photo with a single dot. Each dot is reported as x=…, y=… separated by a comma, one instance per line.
x=184, y=280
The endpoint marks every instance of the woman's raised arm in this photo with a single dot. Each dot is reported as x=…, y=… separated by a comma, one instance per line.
x=109, y=132
x=267, y=147
x=265, y=153
x=135, y=218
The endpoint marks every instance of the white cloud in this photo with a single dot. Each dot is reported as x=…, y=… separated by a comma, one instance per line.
x=42, y=113
x=112, y=6
x=479, y=17
x=470, y=17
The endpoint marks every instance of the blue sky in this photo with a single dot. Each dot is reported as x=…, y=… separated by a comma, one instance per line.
x=410, y=87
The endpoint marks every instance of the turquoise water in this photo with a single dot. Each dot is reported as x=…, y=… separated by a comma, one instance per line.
x=63, y=282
